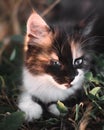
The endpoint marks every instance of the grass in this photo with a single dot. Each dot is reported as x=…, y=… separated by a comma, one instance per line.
x=88, y=114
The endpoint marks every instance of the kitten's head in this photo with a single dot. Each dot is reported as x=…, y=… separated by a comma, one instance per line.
x=62, y=52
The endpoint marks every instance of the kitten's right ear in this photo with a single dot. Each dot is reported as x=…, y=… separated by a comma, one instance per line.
x=38, y=32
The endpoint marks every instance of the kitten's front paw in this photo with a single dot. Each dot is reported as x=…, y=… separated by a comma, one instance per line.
x=54, y=110
x=31, y=109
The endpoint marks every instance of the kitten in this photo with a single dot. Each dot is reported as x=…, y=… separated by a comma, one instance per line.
x=56, y=59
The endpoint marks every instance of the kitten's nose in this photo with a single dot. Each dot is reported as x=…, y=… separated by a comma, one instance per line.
x=72, y=78
x=73, y=75
x=76, y=73
x=69, y=79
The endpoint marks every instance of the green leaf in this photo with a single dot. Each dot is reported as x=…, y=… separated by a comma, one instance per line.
x=2, y=84
x=77, y=112
x=89, y=76
x=13, y=55
x=52, y=121
x=101, y=98
x=95, y=91
x=13, y=121
x=61, y=107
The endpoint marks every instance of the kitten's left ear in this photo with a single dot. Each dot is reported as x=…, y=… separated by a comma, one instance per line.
x=38, y=32
x=87, y=24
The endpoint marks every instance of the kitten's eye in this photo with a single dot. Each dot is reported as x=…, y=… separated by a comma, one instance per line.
x=78, y=62
x=55, y=63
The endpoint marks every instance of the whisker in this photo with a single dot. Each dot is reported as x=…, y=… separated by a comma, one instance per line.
x=91, y=38
x=80, y=38
x=58, y=46
x=85, y=45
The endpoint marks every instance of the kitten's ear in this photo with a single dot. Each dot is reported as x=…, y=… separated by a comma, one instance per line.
x=37, y=30
x=87, y=24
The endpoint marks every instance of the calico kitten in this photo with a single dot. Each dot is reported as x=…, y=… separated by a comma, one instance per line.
x=56, y=59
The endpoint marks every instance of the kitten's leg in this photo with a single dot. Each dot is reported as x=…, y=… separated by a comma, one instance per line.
x=54, y=110
x=32, y=109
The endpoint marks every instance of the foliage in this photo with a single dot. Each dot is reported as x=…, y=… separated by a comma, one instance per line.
x=94, y=89
x=87, y=114
x=12, y=121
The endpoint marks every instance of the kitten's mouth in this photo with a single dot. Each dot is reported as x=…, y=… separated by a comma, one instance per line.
x=68, y=85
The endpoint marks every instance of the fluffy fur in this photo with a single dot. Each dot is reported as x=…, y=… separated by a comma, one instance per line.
x=55, y=62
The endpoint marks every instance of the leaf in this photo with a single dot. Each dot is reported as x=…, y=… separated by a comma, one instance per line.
x=96, y=80
x=61, y=107
x=77, y=112
x=13, y=121
x=13, y=55
x=89, y=76
x=101, y=98
x=95, y=91
x=2, y=84
x=52, y=121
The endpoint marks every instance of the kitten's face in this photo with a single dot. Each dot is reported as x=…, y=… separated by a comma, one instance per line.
x=55, y=51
